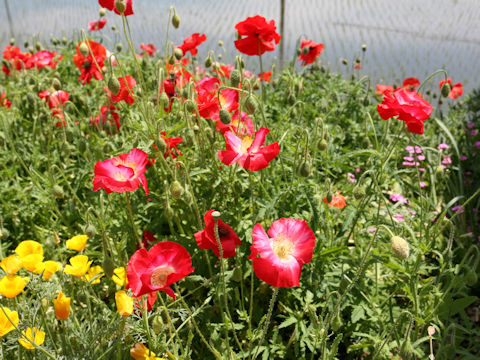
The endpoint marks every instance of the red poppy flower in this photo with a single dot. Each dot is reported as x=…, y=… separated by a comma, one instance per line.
x=410, y=83
x=14, y=58
x=56, y=99
x=310, y=51
x=147, y=240
x=87, y=66
x=177, y=79
x=42, y=59
x=191, y=43
x=107, y=113
x=338, y=200
x=223, y=70
x=240, y=128
x=97, y=24
x=207, y=101
x=149, y=48
x=158, y=268
x=110, y=5
x=125, y=172
x=265, y=76
x=138, y=304
x=279, y=256
x=260, y=35
x=408, y=106
x=171, y=143
x=381, y=89
x=358, y=66
x=4, y=101
x=247, y=152
x=126, y=85
x=456, y=90
x=206, y=238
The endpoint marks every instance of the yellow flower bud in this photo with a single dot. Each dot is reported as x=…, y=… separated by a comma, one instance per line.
x=124, y=303
x=62, y=306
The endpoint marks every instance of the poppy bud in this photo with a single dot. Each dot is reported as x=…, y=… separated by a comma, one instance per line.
x=171, y=60
x=114, y=85
x=119, y=47
x=82, y=146
x=446, y=88
x=185, y=92
x=305, y=50
x=251, y=105
x=102, y=12
x=84, y=49
x=164, y=99
x=160, y=144
x=30, y=99
x=358, y=60
x=38, y=45
x=56, y=84
x=210, y=134
x=323, y=144
x=188, y=197
x=235, y=77
x=157, y=324
x=298, y=52
x=225, y=116
x=176, y=189
x=304, y=169
x=220, y=43
x=439, y=171
x=25, y=44
x=344, y=61
x=31, y=50
x=120, y=5
x=400, y=247
x=337, y=323
x=108, y=266
x=175, y=19
x=358, y=192
x=471, y=278
x=54, y=41
x=291, y=99
x=90, y=231
x=4, y=234
x=364, y=47
x=178, y=53
x=366, y=100
x=406, y=351
x=208, y=61
x=168, y=212
x=12, y=41
x=196, y=128
x=329, y=197
x=64, y=40
x=190, y=106
x=57, y=191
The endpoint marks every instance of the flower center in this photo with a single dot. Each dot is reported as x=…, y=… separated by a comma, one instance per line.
x=159, y=276
x=246, y=143
x=283, y=247
x=222, y=232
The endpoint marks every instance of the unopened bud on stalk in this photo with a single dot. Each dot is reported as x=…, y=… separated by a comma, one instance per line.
x=210, y=135
x=305, y=50
x=185, y=92
x=164, y=99
x=400, y=247
x=176, y=189
x=235, y=77
x=364, y=47
x=190, y=106
x=56, y=84
x=178, y=53
x=102, y=12
x=323, y=144
x=114, y=85
x=4, y=234
x=38, y=46
x=329, y=196
x=57, y=191
x=171, y=60
x=12, y=41
x=168, y=212
x=30, y=99
x=251, y=105
x=175, y=19
x=291, y=99
x=344, y=61
x=108, y=266
x=439, y=171
x=225, y=116
x=64, y=40
x=114, y=28
x=358, y=192
x=220, y=43
x=208, y=61
x=25, y=44
x=83, y=49
x=120, y=5
x=305, y=169
x=160, y=144
x=337, y=323
x=366, y=100
x=31, y=50
x=157, y=324
x=90, y=231
x=446, y=89
x=119, y=47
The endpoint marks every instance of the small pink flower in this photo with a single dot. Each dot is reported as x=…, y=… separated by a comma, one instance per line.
x=471, y=125
x=399, y=217
x=423, y=184
x=420, y=157
x=473, y=132
x=443, y=146
x=477, y=145
x=447, y=160
x=372, y=230
x=463, y=158
x=398, y=198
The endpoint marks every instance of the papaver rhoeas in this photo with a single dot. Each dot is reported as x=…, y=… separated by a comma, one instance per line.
x=191, y=43
x=125, y=93
x=62, y=306
x=149, y=49
x=206, y=238
x=410, y=83
x=279, y=256
x=139, y=303
x=97, y=24
x=265, y=76
x=242, y=127
x=4, y=101
x=125, y=172
x=456, y=90
x=223, y=70
x=110, y=5
x=408, y=106
x=108, y=120
x=55, y=99
x=310, y=51
x=32, y=335
x=259, y=35
x=87, y=65
x=171, y=145
x=247, y=152
x=8, y=322
x=381, y=89
x=14, y=59
x=42, y=59
x=209, y=104
x=158, y=268
x=338, y=200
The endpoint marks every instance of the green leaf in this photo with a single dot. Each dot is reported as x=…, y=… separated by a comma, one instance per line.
x=288, y=322
x=357, y=313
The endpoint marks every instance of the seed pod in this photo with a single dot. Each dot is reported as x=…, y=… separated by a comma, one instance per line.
x=108, y=266
x=175, y=19
x=56, y=84
x=176, y=189
x=235, y=77
x=119, y=47
x=446, y=88
x=251, y=105
x=120, y=5
x=83, y=49
x=168, y=212
x=57, y=191
x=114, y=85
x=400, y=247
x=225, y=116
x=178, y=53
x=90, y=231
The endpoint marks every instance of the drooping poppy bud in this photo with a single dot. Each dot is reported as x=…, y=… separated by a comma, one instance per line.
x=83, y=48
x=225, y=116
x=400, y=247
x=235, y=77
x=175, y=19
x=176, y=189
x=114, y=85
x=446, y=88
x=251, y=105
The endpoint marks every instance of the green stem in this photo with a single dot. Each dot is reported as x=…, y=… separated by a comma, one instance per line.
x=130, y=215
x=267, y=320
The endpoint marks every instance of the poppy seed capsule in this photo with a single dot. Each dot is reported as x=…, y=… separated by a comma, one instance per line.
x=235, y=77
x=446, y=89
x=251, y=105
x=119, y=47
x=225, y=116
x=90, y=231
x=56, y=84
x=176, y=189
x=400, y=247
x=114, y=85
x=175, y=20
x=120, y=5
x=83, y=49
x=364, y=47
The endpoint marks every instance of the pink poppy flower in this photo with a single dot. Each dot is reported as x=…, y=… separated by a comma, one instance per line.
x=42, y=59
x=279, y=256
x=97, y=24
x=247, y=152
x=125, y=172
x=242, y=127
x=158, y=268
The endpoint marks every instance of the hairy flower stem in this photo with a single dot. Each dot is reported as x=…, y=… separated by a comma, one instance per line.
x=130, y=215
x=267, y=320
x=145, y=322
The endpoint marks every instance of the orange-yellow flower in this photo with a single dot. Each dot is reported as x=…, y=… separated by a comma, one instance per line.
x=34, y=336
x=12, y=285
x=119, y=276
x=338, y=200
x=8, y=320
x=30, y=254
x=48, y=267
x=124, y=303
x=77, y=243
x=11, y=264
x=79, y=265
x=141, y=352
x=94, y=272
x=62, y=306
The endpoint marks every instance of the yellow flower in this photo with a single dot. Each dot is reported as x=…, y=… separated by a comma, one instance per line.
x=124, y=303
x=120, y=276
x=141, y=352
x=34, y=336
x=77, y=243
x=79, y=265
x=62, y=306
x=48, y=267
x=8, y=321
x=92, y=273
x=12, y=285
x=30, y=253
x=11, y=264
